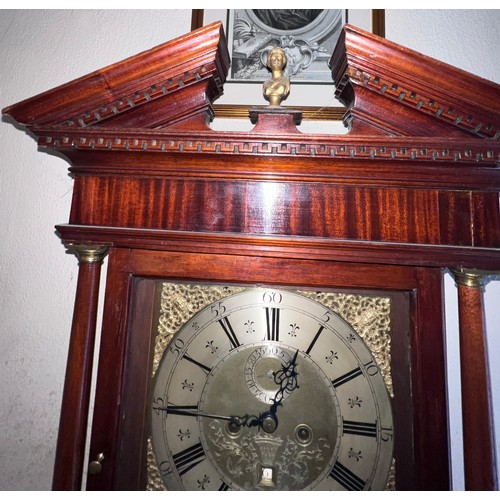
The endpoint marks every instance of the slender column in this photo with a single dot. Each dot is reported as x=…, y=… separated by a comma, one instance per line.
x=76, y=395
x=479, y=450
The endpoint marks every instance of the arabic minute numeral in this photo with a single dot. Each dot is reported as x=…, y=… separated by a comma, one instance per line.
x=272, y=298
x=158, y=404
x=218, y=309
x=327, y=316
x=177, y=347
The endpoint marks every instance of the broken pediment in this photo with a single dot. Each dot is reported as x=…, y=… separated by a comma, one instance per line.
x=392, y=89
x=388, y=90
x=172, y=84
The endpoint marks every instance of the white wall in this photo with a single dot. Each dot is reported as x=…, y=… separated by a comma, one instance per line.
x=42, y=49
x=38, y=51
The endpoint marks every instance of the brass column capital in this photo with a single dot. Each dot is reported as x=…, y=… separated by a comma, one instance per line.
x=88, y=254
x=474, y=278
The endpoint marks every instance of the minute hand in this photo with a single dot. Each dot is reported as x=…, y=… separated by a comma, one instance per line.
x=246, y=420
x=172, y=410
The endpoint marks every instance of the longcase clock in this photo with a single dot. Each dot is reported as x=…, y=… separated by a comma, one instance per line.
x=273, y=311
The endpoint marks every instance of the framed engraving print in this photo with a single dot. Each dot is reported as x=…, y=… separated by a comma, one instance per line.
x=307, y=36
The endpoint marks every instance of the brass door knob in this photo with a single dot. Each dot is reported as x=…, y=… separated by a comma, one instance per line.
x=95, y=466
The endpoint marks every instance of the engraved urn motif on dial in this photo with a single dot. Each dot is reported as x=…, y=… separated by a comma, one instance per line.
x=270, y=390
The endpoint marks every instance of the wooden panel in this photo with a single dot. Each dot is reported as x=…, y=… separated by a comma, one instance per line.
x=456, y=219
x=135, y=420
x=107, y=422
x=275, y=208
x=486, y=226
x=427, y=353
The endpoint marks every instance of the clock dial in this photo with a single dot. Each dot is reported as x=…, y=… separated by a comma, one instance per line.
x=267, y=389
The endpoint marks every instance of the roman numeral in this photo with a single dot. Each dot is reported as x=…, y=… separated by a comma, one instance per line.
x=223, y=487
x=346, y=478
x=187, y=459
x=321, y=328
x=228, y=330
x=273, y=323
x=360, y=428
x=197, y=363
x=346, y=377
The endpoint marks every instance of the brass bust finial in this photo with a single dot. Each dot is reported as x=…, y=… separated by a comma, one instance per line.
x=277, y=87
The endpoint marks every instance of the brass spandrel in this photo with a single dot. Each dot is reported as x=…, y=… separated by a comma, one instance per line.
x=180, y=302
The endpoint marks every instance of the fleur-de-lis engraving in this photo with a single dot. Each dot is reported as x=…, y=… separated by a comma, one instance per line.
x=355, y=454
x=354, y=402
x=293, y=330
x=203, y=482
x=351, y=338
x=250, y=329
x=184, y=434
x=195, y=326
x=329, y=359
x=210, y=345
x=188, y=385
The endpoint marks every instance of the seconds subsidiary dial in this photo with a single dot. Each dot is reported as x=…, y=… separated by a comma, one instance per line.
x=267, y=389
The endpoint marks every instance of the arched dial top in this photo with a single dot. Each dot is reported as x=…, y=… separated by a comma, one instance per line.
x=267, y=389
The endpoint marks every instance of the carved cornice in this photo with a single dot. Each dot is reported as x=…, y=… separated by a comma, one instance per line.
x=454, y=115
x=139, y=97
x=335, y=146
x=398, y=92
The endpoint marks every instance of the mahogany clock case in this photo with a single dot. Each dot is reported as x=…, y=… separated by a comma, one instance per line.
x=410, y=191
